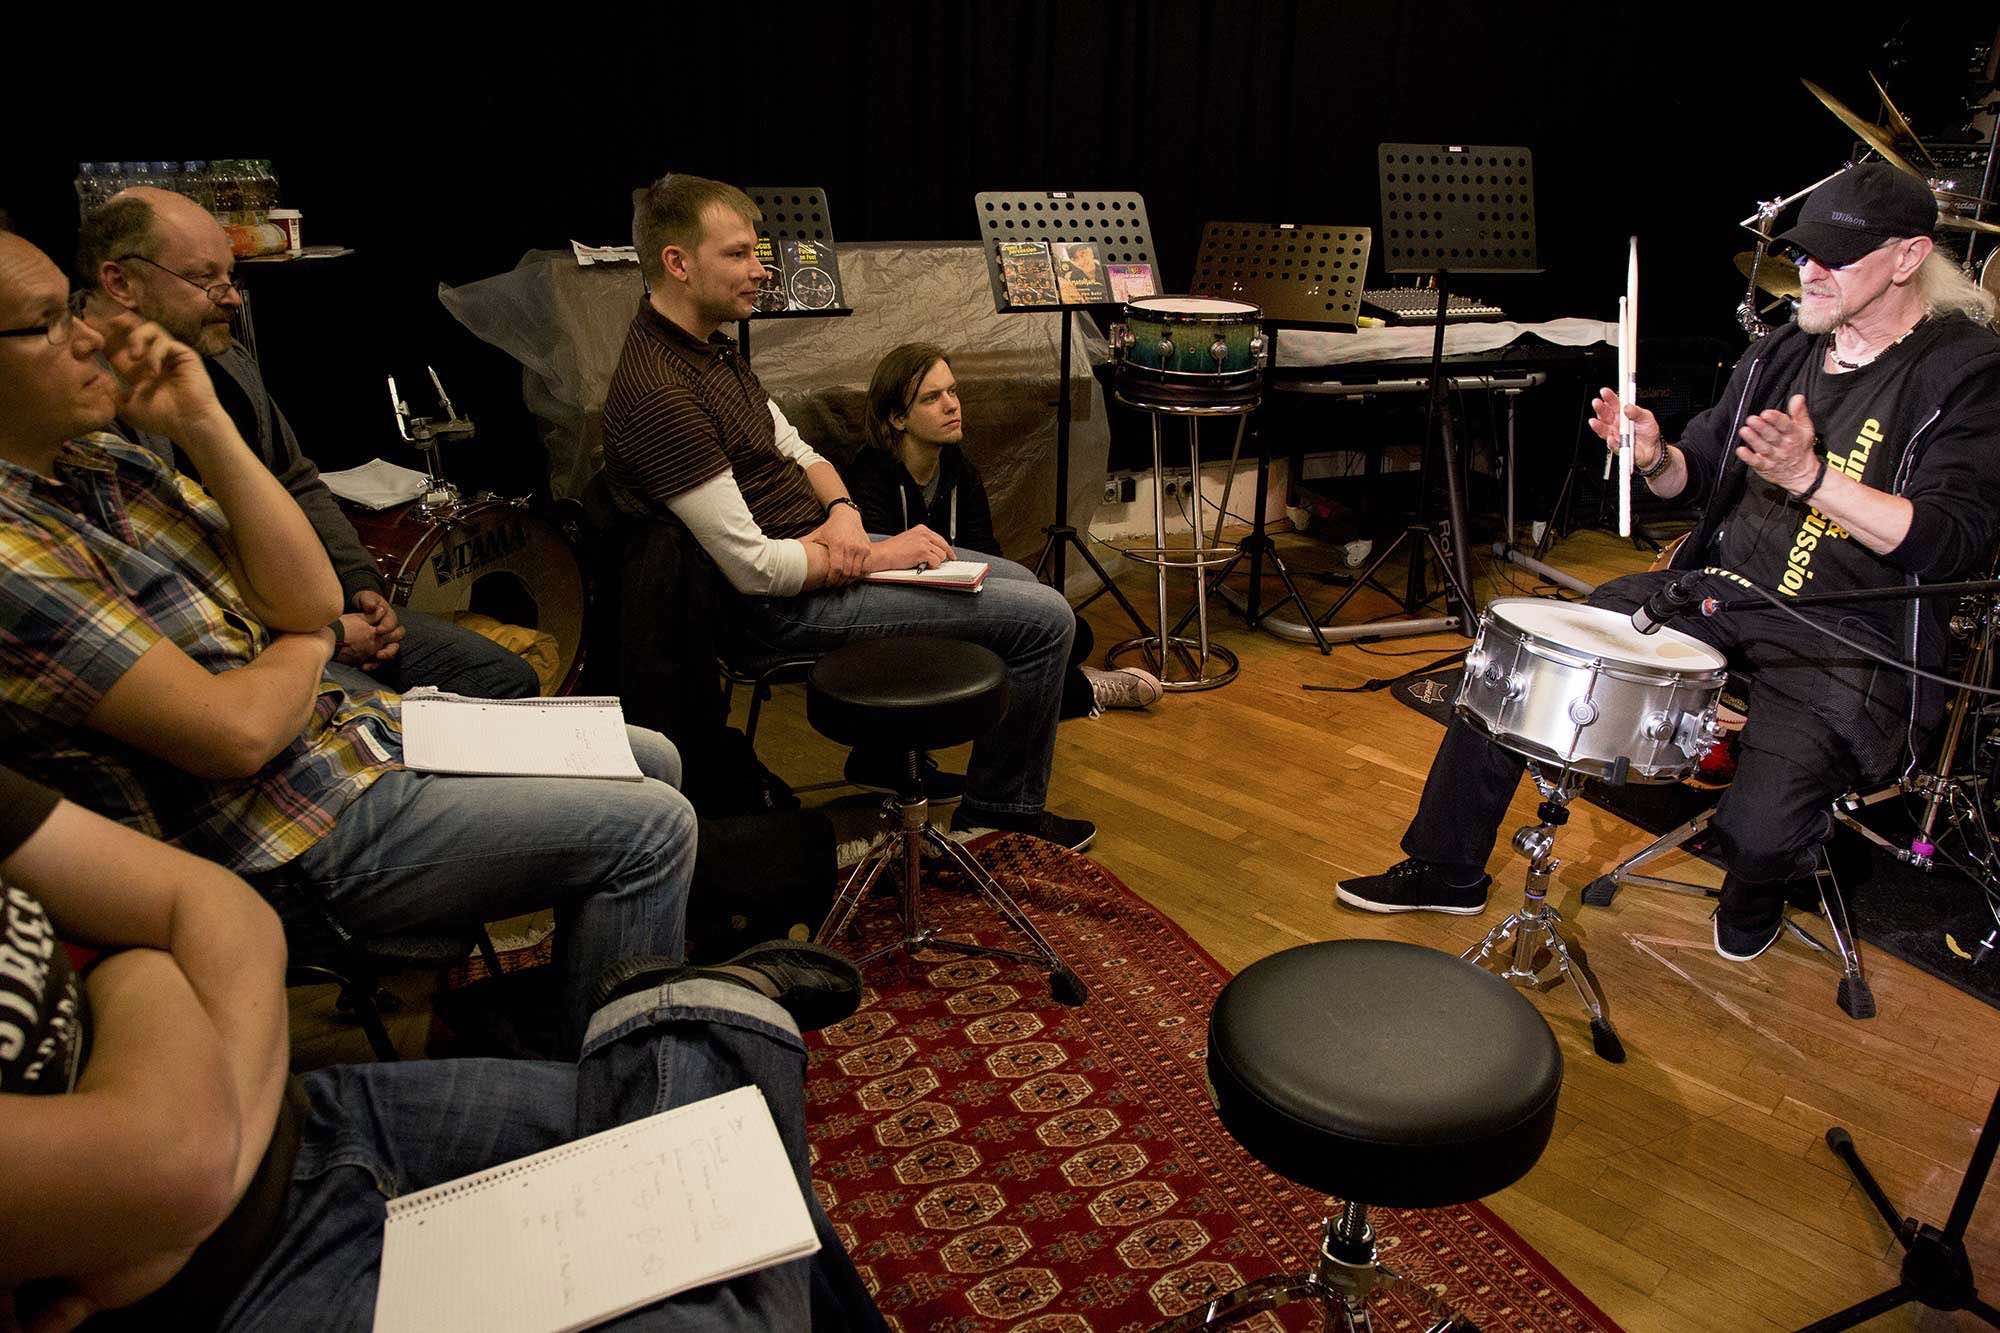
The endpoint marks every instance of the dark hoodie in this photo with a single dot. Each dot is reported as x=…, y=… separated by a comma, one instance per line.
x=891, y=501
x=1931, y=421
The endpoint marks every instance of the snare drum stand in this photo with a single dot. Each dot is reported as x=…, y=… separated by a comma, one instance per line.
x=1537, y=931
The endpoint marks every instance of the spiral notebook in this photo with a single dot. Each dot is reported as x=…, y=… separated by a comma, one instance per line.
x=583, y=1233
x=579, y=737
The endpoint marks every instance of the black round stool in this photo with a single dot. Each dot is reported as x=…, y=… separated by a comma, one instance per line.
x=1384, y=1074
x=915, y=695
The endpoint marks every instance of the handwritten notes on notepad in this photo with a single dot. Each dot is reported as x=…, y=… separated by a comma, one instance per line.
x=579, y=1234
x=581, y=737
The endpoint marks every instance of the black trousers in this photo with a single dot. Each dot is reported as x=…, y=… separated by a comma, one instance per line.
x=1822, y=720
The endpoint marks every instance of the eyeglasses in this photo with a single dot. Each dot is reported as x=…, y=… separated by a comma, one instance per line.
x=217, y=292
x=1793, y=255
x=57, y=330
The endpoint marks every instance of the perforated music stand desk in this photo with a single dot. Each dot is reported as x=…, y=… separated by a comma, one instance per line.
x=1446, y=208
x=1116, y=221
x=794, y=213
x=1300, y=277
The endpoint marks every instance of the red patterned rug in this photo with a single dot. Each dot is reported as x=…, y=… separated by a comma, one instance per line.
x=995, y=1161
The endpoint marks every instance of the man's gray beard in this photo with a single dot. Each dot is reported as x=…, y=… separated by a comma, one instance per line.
x=1824, y=320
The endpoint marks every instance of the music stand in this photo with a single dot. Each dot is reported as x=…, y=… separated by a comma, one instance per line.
x=1116, y=221
x=1446, y=208
x=1301, y=277
x=795, y=213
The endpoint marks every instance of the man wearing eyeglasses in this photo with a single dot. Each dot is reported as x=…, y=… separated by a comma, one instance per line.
x=160, y=254
x=1859, y=447
x=164, y=651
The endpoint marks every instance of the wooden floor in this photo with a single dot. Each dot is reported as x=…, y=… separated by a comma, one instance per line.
x=1690, y=1187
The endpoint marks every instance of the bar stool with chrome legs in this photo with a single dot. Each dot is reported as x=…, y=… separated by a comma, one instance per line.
x=914, y=695
x=1384, y=1074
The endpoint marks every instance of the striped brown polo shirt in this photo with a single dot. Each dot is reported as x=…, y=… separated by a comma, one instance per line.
x=682, y=411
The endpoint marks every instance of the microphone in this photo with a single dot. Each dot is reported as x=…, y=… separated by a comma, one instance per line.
x=1670, y=601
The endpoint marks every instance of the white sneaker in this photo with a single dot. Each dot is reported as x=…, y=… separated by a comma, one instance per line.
x=1127, y=687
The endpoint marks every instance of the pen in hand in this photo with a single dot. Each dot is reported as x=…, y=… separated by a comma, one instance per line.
x=923, y=565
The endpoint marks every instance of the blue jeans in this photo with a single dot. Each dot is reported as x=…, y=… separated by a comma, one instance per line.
x=1023, y=620
x=457, y=661
x=374, y=1132
x=422, y=850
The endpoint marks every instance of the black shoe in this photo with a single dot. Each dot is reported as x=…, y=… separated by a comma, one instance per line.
x=882, y=770
x=812, y=983
x=1075, y=834
x=1742, y=934
x=1413, y=886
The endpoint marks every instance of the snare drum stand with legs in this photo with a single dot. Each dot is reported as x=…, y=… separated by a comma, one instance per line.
x=1538, y=937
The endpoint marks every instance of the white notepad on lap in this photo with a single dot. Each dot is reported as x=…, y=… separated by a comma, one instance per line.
x=580, y=737
x=583, y=1233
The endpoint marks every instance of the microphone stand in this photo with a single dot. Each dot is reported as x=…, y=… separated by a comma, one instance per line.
x=1711, y=606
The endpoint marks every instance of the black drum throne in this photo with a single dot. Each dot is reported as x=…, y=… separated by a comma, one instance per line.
x=914, y=695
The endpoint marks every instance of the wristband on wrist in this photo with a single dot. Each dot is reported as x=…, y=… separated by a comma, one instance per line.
x=841, y=500
x=1820, y=480
x=1659, y=465
x=339, y=632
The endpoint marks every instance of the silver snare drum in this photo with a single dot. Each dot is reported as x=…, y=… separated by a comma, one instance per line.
x=1578, y=686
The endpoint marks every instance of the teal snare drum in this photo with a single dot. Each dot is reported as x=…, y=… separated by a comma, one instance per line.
x=1188, y=351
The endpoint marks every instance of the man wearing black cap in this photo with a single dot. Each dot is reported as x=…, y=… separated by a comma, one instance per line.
x=1857, y=447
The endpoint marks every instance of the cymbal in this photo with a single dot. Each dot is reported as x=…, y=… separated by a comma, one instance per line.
x=1898, y=126
x=1872, y=135
x=1774, y=275
x=1967, y=224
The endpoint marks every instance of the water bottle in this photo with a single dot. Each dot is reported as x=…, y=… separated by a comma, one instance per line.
x=228, y=186
x=197, y=184
x=86, y=188
x=263, y=190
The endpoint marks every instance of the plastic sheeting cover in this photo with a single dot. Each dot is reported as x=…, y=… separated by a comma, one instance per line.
x=566, y=326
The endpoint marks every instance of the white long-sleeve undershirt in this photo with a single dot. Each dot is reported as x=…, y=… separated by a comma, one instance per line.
x=754, y=564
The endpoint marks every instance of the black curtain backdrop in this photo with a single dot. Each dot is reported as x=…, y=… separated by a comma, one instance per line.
x=443, y=150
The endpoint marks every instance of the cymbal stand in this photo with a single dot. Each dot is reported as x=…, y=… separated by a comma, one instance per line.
x=1759, y=224
x=1539, y=937
x=1955, y=796
x=425, y=434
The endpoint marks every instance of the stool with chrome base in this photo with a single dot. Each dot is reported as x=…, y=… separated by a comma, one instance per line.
x=913, y=695
x=1437, y=1085
x=1856, y=1000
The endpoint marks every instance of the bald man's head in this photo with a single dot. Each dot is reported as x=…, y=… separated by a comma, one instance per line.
x=160, y=253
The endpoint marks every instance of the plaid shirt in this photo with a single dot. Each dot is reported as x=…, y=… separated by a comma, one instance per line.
x=117, y=553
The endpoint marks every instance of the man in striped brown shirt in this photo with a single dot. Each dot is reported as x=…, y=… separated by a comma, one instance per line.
x=688, y=429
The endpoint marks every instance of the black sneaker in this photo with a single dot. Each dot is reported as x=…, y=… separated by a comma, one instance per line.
x=1413, y=886
x=1743, y=934
x=1075, y=834
x=882, y=770
x=812, y=983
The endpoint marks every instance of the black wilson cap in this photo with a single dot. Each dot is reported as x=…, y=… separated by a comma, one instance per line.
x=1859, y=210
